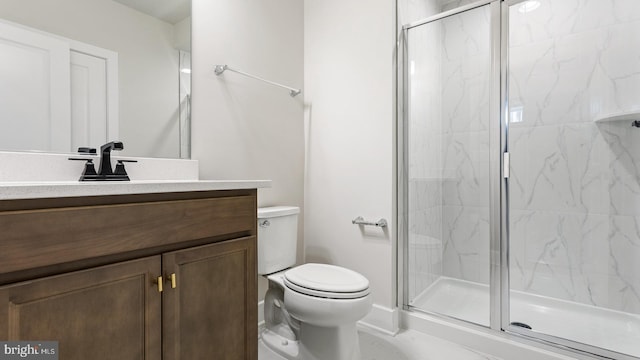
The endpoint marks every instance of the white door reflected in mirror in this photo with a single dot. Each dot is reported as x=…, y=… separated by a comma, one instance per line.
x=57, y=94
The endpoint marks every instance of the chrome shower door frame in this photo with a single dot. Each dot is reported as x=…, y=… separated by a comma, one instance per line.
x=496, y=148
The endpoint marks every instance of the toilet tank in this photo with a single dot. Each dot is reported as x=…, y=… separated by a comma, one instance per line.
x=277, y=238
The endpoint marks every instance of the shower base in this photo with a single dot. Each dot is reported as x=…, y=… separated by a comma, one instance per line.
x=600, y=327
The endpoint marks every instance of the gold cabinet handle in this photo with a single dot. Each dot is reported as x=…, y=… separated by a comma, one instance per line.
x=159, y=282
x=173, y=281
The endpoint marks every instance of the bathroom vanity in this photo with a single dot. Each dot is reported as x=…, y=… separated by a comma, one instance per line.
x=147, y=271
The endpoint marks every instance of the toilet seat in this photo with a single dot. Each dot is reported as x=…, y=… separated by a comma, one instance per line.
x=326, y=281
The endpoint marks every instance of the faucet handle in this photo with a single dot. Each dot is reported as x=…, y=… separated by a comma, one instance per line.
x=120, y=170
x=89, y=172
x=87, y=150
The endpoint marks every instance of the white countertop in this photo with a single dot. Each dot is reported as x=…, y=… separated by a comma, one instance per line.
x=36, y=190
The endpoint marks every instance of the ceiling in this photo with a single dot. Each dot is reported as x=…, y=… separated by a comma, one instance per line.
x=171, y=11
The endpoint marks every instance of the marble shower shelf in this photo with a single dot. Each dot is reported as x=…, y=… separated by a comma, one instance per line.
x=626, y=116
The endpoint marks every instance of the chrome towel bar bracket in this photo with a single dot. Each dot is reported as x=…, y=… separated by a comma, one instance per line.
x=361, y=221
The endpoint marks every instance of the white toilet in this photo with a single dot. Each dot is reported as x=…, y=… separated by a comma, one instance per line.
x=310, y=310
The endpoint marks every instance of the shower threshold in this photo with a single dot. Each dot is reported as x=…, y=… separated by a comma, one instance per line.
x=587, y=324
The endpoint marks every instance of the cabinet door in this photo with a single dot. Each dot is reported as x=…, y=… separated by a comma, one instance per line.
x=110, y=312
x=212, y=312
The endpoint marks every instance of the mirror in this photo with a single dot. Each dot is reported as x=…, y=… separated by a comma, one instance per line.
x=83, y=72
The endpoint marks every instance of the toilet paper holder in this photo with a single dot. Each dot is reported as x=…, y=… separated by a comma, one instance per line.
x=361, y=221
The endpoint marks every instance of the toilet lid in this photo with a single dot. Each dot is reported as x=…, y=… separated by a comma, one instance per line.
x=327, y=281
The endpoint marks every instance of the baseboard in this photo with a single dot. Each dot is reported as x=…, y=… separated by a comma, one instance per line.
x=382, y=319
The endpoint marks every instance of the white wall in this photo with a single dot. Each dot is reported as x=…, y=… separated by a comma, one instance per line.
x=246, y=129
x=243, y=128
x=182, y=35
x=349, y=92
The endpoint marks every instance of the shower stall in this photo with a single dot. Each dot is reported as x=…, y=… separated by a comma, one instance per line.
x=519, y=169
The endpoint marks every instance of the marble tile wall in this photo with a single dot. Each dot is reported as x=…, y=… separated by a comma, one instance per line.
x=575, y=184
x=425, y=160
x=449, y=68
x=466, y=74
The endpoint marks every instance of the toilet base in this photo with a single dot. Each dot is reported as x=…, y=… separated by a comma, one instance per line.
x=316, y=343
x=329, y=343
x=282, y=346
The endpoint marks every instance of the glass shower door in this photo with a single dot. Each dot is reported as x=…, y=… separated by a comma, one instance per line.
x=573, y=85
x=448, y=78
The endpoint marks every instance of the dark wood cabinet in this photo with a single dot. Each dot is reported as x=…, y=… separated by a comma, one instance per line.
x=164, y=276
x=213, y=302
x=110, y=312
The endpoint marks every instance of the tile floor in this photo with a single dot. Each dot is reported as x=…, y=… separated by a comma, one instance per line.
x=407, y=345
